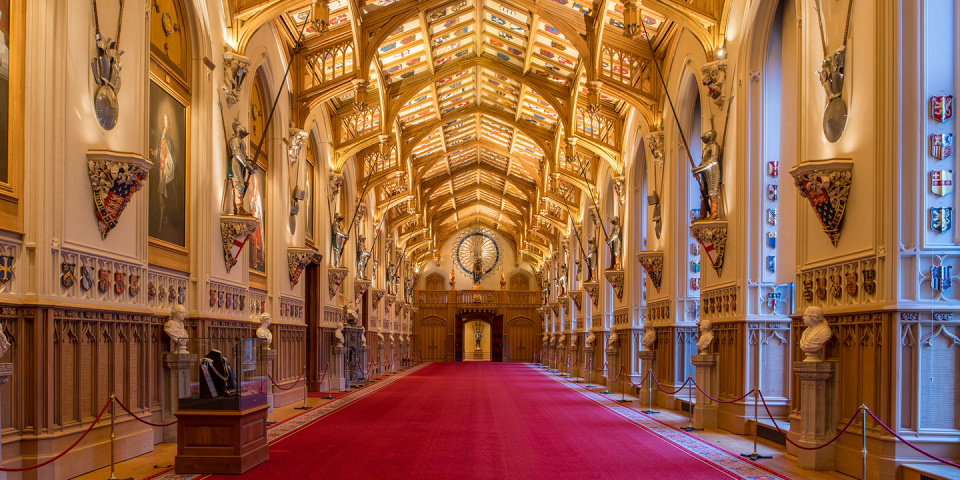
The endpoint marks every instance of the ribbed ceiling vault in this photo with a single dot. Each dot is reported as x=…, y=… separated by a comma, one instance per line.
x=464, y=112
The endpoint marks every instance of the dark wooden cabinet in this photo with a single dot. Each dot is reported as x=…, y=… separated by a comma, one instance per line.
x=221, y=441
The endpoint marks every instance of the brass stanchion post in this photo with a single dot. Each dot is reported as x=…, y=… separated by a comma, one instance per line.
x=650, y=410
x=329, y=392
x=863, y=437
x=623, y=389
x=755, y=455
x=690, y=427
x=113, y=437
x=304, y=406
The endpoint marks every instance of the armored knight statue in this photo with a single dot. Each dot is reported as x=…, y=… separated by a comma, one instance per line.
x=477, y=269
x=238, y=168
x=706, y=337
x=264, y=331
x=709, y=171
x=376, y=263
x=615, y=242
x=391, y=273
x=816, y=334
x=175, y=329
x=362, y=257
x=591, y=259
x=562, y=281
x=339, y=240
x=409, y=290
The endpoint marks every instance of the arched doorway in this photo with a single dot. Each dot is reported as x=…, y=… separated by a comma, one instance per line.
x=462, y=338
x=433, y=336
x=477, y=345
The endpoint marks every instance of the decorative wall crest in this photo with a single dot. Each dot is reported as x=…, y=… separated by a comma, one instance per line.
x=297, y=260
x=234, y=231
x=115, y=177
x=826, y=184
x=652, y=262
x=577, y=297
x=593, y=289
x=359, y=288
x=235, y=70
x=713, y=236
x=615, y=279
x=377, y=295
x=335, y=277
x=714, y=74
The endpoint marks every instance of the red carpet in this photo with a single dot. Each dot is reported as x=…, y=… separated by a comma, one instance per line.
x=482, y=420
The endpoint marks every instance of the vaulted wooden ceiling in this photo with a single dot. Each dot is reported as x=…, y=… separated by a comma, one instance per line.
x=464, y=112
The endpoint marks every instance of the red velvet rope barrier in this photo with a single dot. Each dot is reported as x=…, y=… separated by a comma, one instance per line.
x=638, y=385
x=104, y=409
x=142, y=420
x=852, y=419
x=619, y=374
x=291, y=386
x=946, y=462
x=322, y=376
x=604, y=367
x=721, y=401
x=675, y=391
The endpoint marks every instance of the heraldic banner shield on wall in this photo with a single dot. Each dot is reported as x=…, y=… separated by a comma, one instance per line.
x=826, y=184
x=114, y=177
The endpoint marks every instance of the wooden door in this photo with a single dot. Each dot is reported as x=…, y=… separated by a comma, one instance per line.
x=520, y=331
x=433, y=336
x=496, y=340
x=458, y=339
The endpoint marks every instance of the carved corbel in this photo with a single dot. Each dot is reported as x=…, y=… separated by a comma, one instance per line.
x=335, y=277
x=360, y=94
x=593, y=289
x=235, y=70
x=615, y=278
x=114, y=177
x=714, y=74
x=632, y=19
x=652, y=262
x=826, y=184
x=336, y=181
x=297, y=260
x=235, y=230
x=359, y=288
x=593, y=96
x=712, y=235
x=377, y=295
x=577, y=297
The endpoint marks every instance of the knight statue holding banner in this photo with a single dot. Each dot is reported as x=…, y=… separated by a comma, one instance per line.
x=562, y=281
x=477, y=269
x=615, y=242
x=591, y=259
x=709, y=171
x=362, y=257
x=390, y=274
x=238, y=168
x=339, y=240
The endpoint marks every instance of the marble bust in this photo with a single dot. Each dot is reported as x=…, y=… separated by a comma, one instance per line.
x=706, y=337
x=649, y=337
x=338, y=335
x=175, y=329
x=816, y=334
x=592, y=337
x=264, y=330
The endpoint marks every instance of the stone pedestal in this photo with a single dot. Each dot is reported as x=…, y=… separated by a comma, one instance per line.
x=613, y=369
x=562, y=359
x=818, y=413
x=176, y=385
x=705, y=413
x=337, y=371
x=270, y=355
x=647, y=360
x=588, y=373
x=381, y=369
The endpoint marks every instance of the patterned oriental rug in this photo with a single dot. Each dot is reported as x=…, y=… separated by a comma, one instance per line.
x=486, y=421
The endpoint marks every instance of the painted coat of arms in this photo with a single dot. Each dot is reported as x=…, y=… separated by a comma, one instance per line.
x=68, y=278
x=827, y=191
x=941, y=145
x=941, y=107
x=134, y=288
x=103, y=284
x=6, y=268
x=941, y=182
x=852, y=284
x=86, y=278
x=941, y=219
x=869, y=281
x=118, y=283
x=941, y=277
x=114, y=183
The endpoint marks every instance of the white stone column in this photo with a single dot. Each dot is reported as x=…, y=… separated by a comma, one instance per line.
x=818, y=413
x=176, y=384
x=271, y=356
x=588, y=373
x=705, y=412
x=613, y=369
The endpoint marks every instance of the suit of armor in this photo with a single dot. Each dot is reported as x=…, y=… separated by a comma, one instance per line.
x=709, y=171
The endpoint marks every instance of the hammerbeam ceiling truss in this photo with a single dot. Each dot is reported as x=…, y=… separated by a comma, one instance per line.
x=458, y=112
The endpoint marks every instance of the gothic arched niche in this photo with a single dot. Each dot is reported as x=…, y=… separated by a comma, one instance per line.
x=257, y=191
x=519, y=283
x=435, y=281
x=169, y=42
x=168, y=137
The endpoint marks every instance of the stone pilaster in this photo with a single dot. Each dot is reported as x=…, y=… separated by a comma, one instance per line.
x=176, y=384
x=648, y=359
x=337, y=373
x=613, y=368
x=271, y=356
